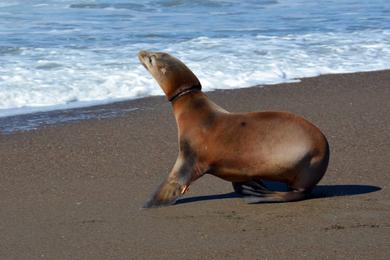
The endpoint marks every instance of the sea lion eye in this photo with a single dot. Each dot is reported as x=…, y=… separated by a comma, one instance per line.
x=152, y=60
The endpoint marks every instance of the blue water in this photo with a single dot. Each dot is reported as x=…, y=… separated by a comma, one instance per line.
x=68, y=53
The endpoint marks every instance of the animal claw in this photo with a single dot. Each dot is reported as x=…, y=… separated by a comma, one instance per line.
x=185, y=189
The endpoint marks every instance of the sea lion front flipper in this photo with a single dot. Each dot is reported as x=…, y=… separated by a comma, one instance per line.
x=167, y=194
x=175, y=185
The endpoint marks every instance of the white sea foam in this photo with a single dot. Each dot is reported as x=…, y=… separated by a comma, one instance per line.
x=70, y=53
x=48, y=78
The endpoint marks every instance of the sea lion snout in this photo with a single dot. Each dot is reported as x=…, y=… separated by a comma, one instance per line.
x=142, y=54
x=145, y=59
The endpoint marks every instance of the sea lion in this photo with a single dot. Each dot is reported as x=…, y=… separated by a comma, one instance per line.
x=243, y=148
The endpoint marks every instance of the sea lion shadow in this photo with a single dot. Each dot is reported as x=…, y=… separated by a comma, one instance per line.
x=324, y=191
x=228, y=195
x=319, y=191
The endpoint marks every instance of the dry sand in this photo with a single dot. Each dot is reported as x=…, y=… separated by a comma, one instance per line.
x=75, y=191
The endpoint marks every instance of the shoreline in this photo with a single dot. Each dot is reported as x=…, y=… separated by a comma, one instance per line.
x=75, y=190
x=36, y=120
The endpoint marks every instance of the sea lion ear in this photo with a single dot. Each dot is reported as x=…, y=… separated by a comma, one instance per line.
x=163, y=70
x=166, y=194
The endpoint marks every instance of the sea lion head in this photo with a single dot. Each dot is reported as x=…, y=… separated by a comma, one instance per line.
x=170, y=73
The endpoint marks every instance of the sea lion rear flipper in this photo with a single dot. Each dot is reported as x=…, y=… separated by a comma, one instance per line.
x=167, y=194
x=255, y=191
x=276, y=197
x=251, y=188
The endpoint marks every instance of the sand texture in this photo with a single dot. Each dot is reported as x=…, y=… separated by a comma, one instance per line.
x=75, y=191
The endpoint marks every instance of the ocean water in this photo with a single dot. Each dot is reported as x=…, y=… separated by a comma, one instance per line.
x=72, y=53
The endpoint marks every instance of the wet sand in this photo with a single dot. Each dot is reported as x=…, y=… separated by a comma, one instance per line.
x=75, y=191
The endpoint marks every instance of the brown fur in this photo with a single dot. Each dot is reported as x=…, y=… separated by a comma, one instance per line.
x=243, y=148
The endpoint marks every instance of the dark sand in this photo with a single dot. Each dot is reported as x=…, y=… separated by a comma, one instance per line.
x=75, y=191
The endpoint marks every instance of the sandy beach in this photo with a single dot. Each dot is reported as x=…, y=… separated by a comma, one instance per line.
x=76, y=190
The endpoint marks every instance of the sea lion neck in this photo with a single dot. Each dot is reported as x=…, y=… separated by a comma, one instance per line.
x=184, y=91
x=194, y=110
x=190, y=100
